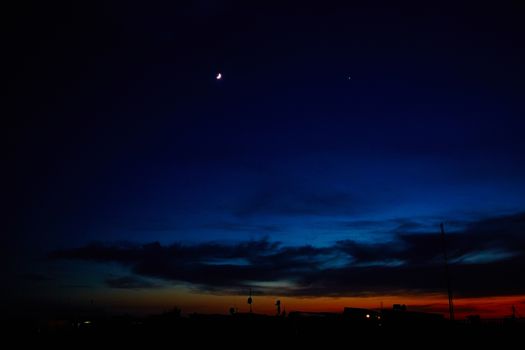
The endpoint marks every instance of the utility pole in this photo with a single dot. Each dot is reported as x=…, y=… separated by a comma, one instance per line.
x=447, y=273
x=250, y=300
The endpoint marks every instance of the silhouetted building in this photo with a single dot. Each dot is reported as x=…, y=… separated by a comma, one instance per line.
x=361, y=317
x=399, y=307
x=399, y=316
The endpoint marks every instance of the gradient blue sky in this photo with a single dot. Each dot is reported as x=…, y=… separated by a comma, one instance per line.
x=119, y=131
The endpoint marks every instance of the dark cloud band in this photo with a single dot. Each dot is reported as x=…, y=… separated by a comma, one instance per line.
x=487, y=259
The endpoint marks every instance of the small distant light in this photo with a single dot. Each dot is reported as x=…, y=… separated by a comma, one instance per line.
x=89, y=322
x=219, y=76
x=367, y=316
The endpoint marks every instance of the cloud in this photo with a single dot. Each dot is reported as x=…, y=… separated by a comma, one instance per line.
x=234, y=226
x=510, y=225
x=291, y=201
x=392, y=226
x=485, y=261
x=406, y=225
x=128, y=282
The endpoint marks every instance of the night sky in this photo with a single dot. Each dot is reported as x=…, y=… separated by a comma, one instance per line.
x=315, y=171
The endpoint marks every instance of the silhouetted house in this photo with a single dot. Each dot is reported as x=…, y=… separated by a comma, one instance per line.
x=359, y=313
x=399, y=316
x=399, y=307
x=361, y=316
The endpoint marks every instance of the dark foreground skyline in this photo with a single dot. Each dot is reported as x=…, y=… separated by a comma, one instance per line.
x=316, y=170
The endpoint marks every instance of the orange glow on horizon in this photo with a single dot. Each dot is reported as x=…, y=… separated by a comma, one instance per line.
x=155, y=301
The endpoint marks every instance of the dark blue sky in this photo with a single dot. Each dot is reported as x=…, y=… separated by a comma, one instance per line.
x=117, y=130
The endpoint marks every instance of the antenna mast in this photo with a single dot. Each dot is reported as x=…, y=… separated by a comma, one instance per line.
x=449, y=288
